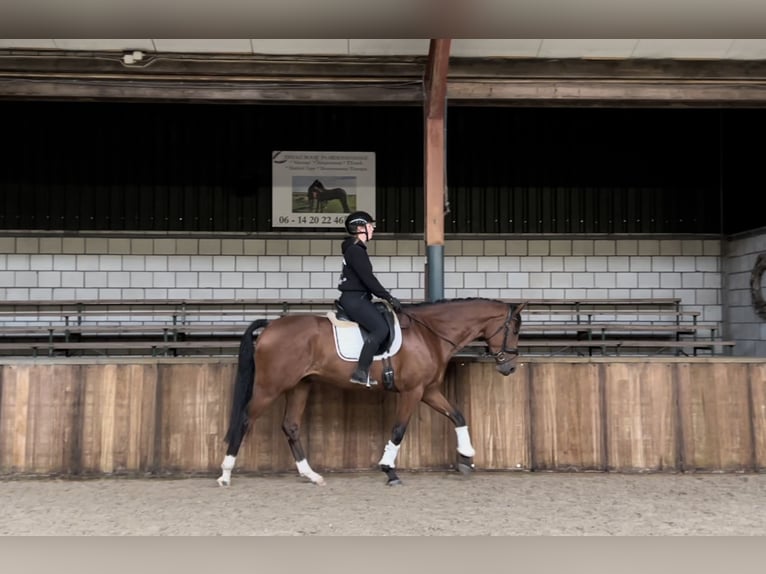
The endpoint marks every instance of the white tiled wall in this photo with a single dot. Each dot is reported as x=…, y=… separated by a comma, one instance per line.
x=298, y=269
x=743, y=324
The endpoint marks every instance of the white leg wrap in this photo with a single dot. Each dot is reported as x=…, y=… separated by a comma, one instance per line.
x=389, y=455
x=464, y=445
x=227, y=466
x=305, y=470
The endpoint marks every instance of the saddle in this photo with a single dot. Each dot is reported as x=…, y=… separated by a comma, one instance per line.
x=349, y=338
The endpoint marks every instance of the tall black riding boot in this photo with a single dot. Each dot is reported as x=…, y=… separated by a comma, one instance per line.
x=362, y=373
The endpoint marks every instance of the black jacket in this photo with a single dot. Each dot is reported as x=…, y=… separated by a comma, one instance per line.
x=357, y=272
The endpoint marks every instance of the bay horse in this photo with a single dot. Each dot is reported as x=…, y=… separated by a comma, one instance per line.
x=294, y=352
x=319, y=195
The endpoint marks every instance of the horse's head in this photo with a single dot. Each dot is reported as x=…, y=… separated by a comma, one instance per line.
x=503, y=340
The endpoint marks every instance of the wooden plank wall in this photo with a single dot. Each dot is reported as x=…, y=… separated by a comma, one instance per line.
x=166, y=417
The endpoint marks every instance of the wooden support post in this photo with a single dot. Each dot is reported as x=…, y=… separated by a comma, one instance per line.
x=435, y=165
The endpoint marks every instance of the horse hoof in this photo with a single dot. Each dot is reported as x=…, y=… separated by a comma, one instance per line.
x=466, y=469
x=314, y=478
x=222, y=482
x=394, y=482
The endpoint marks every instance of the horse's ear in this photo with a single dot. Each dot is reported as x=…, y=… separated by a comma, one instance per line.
x=520, y=307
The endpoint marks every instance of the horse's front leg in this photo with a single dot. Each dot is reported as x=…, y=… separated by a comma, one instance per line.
x=434, y=398
x=406, y=403
x=291, y=426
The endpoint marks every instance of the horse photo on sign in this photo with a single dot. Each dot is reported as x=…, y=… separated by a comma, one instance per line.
x=320, y=196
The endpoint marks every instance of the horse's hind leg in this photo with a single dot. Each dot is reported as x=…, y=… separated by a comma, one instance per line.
x=291, y=426
x=256, y=406
x=434, y=398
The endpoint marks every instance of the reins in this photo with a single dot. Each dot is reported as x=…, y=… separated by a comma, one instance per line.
x=497, y=356
x=427, y=326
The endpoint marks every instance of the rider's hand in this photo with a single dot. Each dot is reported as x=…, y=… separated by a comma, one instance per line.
x=395, y=303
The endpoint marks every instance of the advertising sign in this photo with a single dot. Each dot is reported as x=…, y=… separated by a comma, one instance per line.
x=319, y=189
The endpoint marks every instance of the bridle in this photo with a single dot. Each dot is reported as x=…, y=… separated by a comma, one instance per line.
x=505, y=353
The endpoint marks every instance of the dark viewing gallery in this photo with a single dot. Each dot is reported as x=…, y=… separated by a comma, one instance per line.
x=79, y=166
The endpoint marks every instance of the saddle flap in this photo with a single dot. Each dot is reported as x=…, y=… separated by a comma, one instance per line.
x=348, y=334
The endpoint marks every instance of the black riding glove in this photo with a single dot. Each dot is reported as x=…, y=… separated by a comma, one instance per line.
x=395, y=303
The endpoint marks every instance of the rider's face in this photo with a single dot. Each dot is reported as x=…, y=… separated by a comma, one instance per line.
x=366, y=231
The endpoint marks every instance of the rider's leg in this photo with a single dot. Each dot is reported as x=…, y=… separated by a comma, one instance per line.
x=362, y=372
x=362, y=310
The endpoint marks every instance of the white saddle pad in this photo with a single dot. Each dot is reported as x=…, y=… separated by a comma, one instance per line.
x=349, y=342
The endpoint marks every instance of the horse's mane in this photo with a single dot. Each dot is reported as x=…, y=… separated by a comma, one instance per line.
x=424, y=304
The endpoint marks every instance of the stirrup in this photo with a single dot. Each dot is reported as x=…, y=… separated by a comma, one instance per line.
x=362, y=379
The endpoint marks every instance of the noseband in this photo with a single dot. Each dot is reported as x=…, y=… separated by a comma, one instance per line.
x=500, y=357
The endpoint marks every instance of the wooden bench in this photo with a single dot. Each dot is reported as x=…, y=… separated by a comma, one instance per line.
x=602, y=331
x=176, y=332
x=551, y=347
x=149, y=310
x=119, y=348
x=178, y=326
x=650, y=347
x=229, y=347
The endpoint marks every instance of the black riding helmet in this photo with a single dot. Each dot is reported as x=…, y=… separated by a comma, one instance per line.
x=356, y=219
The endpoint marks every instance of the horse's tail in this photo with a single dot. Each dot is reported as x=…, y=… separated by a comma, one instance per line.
x=243, y=388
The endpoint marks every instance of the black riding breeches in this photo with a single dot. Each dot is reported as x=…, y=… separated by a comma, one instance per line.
x=361, y=309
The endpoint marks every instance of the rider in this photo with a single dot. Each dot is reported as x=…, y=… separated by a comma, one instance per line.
x=357, y=286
